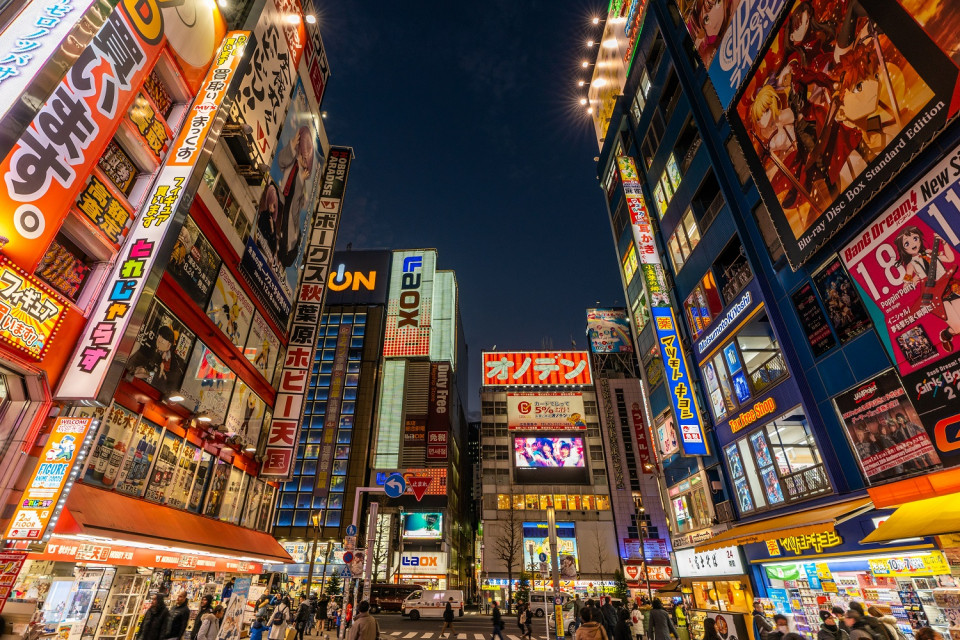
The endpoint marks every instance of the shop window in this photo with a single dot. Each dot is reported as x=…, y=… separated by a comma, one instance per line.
x=589, y=503
x=546, y=501
x=560, y=501
x=573, y=502
x=702, y=305
x=670, y=93
x=620, y=219
x=161, y=478
x=65, y=267
x=532, y=502
x=503, y=501
x=518, y=502
x=688, y=501
x=603, y=503
x=630, y=264
x=732, y=270
x=684, y=240
x=667, y=185
x=721, y=595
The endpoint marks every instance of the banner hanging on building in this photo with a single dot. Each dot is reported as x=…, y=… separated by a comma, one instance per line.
x=678, y=383
x=441, y=402
x=283, y=436
x=536, y=368
x=331, y=420
x=546, y=411
x=609, y=331
x=113, y=313
x=846, y=94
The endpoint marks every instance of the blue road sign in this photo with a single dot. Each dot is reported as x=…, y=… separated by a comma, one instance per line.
x=351, y=530
x=394, y=486
x=347, y=557
x=543, y=557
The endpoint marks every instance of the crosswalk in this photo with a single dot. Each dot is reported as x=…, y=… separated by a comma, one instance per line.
x=426, y=635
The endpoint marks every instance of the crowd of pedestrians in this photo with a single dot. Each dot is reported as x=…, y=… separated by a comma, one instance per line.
x=854, y=623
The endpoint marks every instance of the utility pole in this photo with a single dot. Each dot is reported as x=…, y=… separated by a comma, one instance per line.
x=555, y=569
x=315, y=520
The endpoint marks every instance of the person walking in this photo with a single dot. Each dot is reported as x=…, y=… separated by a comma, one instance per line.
x=761, y=624
x=888, y=622
x=304, y=618
x=281, y=620
x=497, y=620
x=447, y=618
x=258, y=627
x=591, y=629
x=527, y=617
x=838, y=615
x=364, y=625
x=179, y=617
x=156, y=621
x=332, y=612
x=206, y=606
x=636, y=621
x=609, y=616
x=577, y=607
x=321, y=616
x=829, y=629
x=661, y=623
x=875, y=627
x=210, y=624
x=710, y=629
x=623, y=630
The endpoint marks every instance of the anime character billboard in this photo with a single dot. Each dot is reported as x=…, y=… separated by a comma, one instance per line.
x=845, y=95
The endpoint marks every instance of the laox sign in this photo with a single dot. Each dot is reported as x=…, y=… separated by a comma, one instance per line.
x=418, y=561
x=410, y=294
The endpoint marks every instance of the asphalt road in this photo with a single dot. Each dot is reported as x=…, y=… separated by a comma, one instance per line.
x=471, y=626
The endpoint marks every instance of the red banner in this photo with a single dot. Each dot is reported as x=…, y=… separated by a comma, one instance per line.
x=536, y=368
x=10, y=564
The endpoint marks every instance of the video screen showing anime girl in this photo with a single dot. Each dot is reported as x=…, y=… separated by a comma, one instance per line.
x=548, y=452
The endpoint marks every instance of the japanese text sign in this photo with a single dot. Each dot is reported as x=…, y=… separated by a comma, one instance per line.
x=108, y=212
x=640, y=435
x=527, y=368
x=725, y=561
x=30, y=313
x=315, y=56
x=550, y=411
x=650, y=265
x=114, y=310
x=45, y=171
x=441, y=402
x=678, y=382
x=57, y=459
x=284, y=434
x=10, y=564
x=926, y=564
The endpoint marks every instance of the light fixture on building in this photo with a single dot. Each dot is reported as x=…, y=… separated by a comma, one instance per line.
x=204, y=418
x=584, y=64
x=311, y=19
x=589, y=43
x=176, y=398
x=293, y=18
x=589, y=109
x=596, y=21
x=581, y=83
x=583, y=101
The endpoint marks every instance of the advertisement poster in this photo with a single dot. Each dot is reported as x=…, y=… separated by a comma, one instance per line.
x=246, y=414
x=287, y=201
x=30, y=313
x=536, y=535
x=905, y=268
x=933, y=392
x=549, y=452
x=844, y=307
x=667, y=438
x=425, y=526
x=207, y=384
x=230, y=308
x=813, y=321
x=10, y=564
x=609, y=331
x=39, y=499
x=410, y=304
x=885, y=430
x=545, y=411
x=728, y=35
x=194, y=263
x=160, y=354
x=846, y=94
x=262, y=346
x=735, y=466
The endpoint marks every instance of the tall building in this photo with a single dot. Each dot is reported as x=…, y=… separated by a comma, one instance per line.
x=541, y=448
x=776, y=263
x=384, y=397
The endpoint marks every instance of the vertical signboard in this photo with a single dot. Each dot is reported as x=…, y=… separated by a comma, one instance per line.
x=331, y=421
x=10, y=564
x=438, y=418
x=654, y=279
x=640, y=434
x=410, y=305
x=57, y=459
x=315, y=55
x=678, y=383
x=111, y=317
x=284, y=433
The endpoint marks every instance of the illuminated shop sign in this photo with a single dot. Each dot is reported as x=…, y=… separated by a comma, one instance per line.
x=926, y=564
x=545, y=411
x=410, y=304
x=749, y=416
x=800, y=544
x=721, y=325
x=678, y=383
x=30, y=314
x=536, y=368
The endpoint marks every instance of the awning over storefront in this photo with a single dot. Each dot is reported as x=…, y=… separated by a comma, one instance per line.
x=107, y=514
x=815, y=520
x=930, y=517
x=671, y=587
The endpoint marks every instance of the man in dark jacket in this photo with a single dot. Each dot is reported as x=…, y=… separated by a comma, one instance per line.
x=761, y=625
x=497, y=620
x=877, y=629
x=304, y=619
x=179, y=617
x=661, y=624
x=156, y=621
x=206, y=606
x=609, y=616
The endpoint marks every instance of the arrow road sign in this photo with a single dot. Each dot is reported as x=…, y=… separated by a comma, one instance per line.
x=419, y=485
x=395, y=486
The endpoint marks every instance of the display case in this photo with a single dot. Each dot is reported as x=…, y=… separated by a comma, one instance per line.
x=122, y=608
x=99, y=600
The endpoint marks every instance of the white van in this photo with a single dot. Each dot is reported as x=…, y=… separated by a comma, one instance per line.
x=541, y=602
x=426, y=603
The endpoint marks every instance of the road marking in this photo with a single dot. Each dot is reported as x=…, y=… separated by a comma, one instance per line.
x=395, y=633
x=412, y=634
x=478, y=636
x=461, y=636
x=426, y=635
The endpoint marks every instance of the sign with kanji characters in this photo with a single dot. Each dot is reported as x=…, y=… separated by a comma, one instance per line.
x=419, y=486
x=725, y=561
x=410, y=304
x=111, y=317
x=44, y=172
x=57, y=459
x=441, y=403
x=108, y=211
x=268, y=81
x=678, y=383
x=546, y=411
x=284, y=433
x=30, y=312
x=527, y=368
x=315, y=55
x=436, y=487
x=654, y=279
x=10, y=564
x=640, y=435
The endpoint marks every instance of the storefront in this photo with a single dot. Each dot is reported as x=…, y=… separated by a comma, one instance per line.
x=715, y=584
x=803, y=571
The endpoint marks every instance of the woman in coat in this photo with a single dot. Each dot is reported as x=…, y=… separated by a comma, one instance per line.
x=623, y=630
x=661, y=624
x=280, y=620
x=210, y=624
x=591, y=629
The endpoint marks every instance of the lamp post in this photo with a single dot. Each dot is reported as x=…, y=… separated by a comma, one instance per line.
x=642, y=526
x=315, y=520
x=326, y=561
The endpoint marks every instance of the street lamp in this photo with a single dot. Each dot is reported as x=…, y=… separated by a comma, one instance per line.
x=326, y=561
x=315, y=519
x=642, y=527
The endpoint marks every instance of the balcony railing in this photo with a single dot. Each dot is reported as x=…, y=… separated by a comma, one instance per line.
x=806, y=483
x=768, y=373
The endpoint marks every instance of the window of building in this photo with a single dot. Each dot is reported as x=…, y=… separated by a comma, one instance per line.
x=667, y=186
x=702, y=305
x=688, y=502
x=656, y=53
x=591, y=502
x=596, y=454
x=735, y=153
x=630, y=264
x=688, y=142
x=683, y=240
x=610, y=177
x=779, y=463
x=486, y=408
x=732, y=270
x=768, y=231
x=640, y=99
x=620, y=218
x=227, y=200
x=671, y=92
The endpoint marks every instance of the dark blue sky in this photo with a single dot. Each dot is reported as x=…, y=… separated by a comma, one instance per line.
x=469, y=139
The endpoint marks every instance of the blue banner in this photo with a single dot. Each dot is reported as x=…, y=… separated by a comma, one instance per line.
x=678, y=382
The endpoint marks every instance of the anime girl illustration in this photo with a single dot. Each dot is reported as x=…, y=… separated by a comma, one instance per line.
x=829, y=96
x=943, y=298
x=707, y=21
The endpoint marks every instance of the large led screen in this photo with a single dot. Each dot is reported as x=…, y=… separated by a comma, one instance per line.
x=535, y=453
x=423, y=526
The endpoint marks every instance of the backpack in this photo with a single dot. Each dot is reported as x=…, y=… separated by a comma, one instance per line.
x=873, y=631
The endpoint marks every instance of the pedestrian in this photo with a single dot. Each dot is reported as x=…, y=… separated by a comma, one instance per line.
x=577, y=607
x=636, y=621
x=889, y=623
x=156, y=621
x=281, y=620
x=447, y=618
x=527, y=625
x=623, y=630
x=838, y=615
x=591, y=629
x=661, y=625
x=332, y=612
x=258, y=627
x=364, y=626
x=858, y=628
x=926, y=633
x=179, y=617
x=210, y=624
x=206, y=606
x=263, y=606
x=874, y=626
x=829, y=629
x=497, y=621
x=321, y=616
x=227, y=590
x=609, y=616
x=761, y=625
x=781, y=627
x=304, y=618
x=710, y=629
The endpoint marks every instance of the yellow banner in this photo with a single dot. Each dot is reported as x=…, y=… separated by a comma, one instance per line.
x=924, y=564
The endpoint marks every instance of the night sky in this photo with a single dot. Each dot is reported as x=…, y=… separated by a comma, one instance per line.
x=469, y=139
